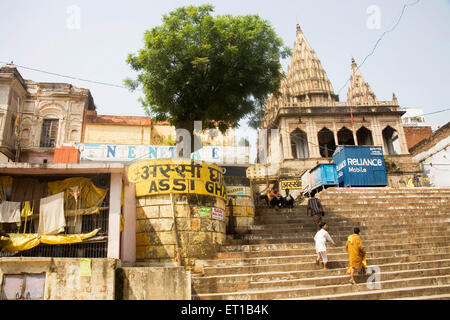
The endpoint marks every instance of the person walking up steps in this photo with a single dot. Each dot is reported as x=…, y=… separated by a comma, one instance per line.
x=356, y=254
x=315, y=209
x=321, y=238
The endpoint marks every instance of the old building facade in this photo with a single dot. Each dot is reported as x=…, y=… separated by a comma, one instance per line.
x=39, y=117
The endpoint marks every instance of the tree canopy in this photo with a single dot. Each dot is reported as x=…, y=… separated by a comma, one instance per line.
x=217, y=69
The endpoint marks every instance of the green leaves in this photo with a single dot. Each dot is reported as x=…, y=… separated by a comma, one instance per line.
x=199, y=67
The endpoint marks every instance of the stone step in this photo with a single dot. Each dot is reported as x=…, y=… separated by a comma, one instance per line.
x=341, y=236
x=364, y=221
x=441, y=285
x=310, y=245
x=350, y=207
x=340, y=241
x=377, y=190
x=229, y=282
x=311, y=256
x=310, y=231
x=317, y=282
x=368, y=194
x=421, y=298
x=262, y=229
x=332, y=264
x=388, y=294
x=405, y=233
x=332, y=250
x=363, y=213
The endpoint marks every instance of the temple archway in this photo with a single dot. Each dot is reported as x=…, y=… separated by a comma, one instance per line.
x=299, y=144
x=345, y=137
x=364, y=137
x=327, y=144
x=391, y=141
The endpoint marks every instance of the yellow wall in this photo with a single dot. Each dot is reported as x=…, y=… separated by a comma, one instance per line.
x=117, y=134
x=143, y=135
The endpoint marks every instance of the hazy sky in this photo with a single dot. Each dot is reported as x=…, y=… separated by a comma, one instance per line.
x=412, y=61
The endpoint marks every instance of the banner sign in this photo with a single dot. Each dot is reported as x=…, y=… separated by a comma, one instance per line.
x=177, y=176
x=218, y=214
x=130, y=153
x=291, y=184
x=238, y=191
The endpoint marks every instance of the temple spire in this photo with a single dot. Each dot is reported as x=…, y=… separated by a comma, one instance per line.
x=359, y=92
x=306, y=75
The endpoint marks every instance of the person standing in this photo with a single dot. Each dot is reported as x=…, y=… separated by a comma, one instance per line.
x=321, y=238
x=356, y=254
x=315, y=209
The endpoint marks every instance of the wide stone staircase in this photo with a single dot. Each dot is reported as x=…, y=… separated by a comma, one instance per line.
x=405, y=233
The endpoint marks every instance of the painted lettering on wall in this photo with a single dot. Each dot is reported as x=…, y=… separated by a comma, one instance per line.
x=178, y=176
x=131, y=153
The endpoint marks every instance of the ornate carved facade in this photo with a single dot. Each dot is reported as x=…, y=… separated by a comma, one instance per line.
x=49, y=115
x=311, y=121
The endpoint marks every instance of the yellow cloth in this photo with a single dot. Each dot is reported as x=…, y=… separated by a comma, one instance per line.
x=27, y=211
x=87, y=196
x=122, y=223
x=356, y=253
x=22, y=242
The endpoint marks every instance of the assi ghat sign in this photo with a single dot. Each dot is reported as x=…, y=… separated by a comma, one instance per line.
x=177, y=176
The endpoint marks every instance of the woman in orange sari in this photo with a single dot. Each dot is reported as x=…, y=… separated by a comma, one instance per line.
x=356, y=254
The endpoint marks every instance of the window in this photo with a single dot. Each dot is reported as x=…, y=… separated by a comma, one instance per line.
x=23, y=286
x=49, y=133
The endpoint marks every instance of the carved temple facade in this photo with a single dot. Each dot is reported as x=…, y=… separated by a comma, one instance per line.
x=306, y=121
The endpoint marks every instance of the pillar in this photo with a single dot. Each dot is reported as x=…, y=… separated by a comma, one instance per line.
x=128, y=238
x=115, y=196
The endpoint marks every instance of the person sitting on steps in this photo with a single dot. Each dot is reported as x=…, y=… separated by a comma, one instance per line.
x=277, y=200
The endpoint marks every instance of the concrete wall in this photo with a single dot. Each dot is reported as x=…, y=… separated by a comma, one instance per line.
x=63, y=280
x=153, y=284
x=436, y=164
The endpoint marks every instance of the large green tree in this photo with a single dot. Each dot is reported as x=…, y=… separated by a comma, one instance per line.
x=214, y=69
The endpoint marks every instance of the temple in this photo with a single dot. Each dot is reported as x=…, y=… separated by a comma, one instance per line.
x=306, y=121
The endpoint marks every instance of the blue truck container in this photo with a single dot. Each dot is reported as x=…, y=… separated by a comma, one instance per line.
x=321, y=177
x=360, y=166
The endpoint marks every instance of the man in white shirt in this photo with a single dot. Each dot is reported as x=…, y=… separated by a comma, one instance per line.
x=321, y=238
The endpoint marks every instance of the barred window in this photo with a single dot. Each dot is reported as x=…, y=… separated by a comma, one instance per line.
x=49, y=133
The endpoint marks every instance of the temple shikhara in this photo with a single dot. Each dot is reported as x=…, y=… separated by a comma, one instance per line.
x=306, y=121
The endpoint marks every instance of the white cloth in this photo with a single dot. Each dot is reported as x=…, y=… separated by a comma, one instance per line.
x=321, y=238
x=51, y=214
x=10, y=212
x=324, y=256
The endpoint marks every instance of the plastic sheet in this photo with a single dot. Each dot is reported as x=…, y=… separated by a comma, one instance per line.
x=22, y=242
x=80, y=193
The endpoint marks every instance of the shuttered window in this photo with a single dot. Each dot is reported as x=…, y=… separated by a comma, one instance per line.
x=49, y=133
x=23, y=286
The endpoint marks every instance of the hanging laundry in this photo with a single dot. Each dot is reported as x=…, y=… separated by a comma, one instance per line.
x=51, y=217
x=10, y=212
x=29, y=189
x=74, y=224
x=88, y=195
x=27, y=213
